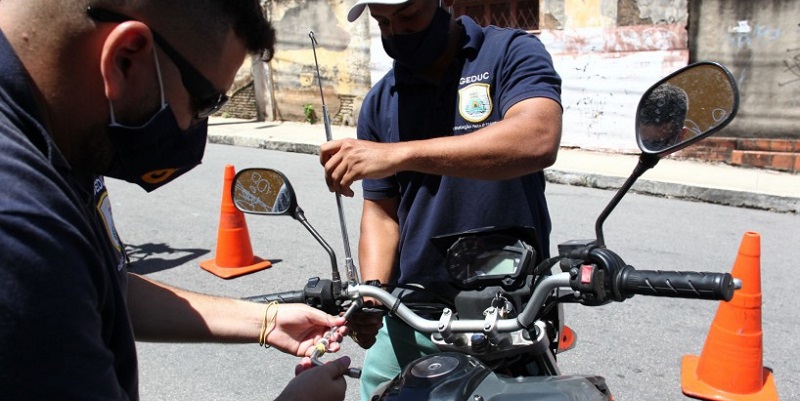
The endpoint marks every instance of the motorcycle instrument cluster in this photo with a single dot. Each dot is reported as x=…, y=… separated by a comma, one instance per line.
x=488, y=260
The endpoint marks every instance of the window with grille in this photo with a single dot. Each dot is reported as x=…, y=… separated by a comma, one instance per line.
x=523, y=14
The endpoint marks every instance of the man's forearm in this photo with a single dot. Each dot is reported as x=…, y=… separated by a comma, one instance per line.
x=525, y=141
x=377, y=248
x=163, y=313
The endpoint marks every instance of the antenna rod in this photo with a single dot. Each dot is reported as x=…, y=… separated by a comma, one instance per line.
x=352, y=273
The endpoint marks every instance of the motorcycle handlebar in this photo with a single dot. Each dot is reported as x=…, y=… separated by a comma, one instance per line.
x=696, y=285
x=628, y=281
x=524, y=320
x=287, y=297
x=677, y=284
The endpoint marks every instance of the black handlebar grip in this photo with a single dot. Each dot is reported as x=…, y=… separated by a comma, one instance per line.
x=677, y=284
x=288, y=297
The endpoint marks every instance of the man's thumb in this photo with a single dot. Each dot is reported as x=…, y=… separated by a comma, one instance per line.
x=341, y=365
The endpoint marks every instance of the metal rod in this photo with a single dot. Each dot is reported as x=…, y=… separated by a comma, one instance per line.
x=322, y=345
x=350, y=268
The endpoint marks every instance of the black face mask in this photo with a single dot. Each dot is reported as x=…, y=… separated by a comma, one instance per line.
x=157, y=152
x=419, y=50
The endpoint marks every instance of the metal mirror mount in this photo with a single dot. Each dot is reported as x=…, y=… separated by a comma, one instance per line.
x=265, y=191
x=684, y=107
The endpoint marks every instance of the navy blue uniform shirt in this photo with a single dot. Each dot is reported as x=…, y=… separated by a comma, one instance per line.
x=495, y=69
x=65, y=333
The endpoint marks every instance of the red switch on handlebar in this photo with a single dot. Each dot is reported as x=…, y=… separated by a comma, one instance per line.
x=586, y=273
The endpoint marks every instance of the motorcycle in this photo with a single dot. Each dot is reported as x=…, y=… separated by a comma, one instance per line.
x=500, y=332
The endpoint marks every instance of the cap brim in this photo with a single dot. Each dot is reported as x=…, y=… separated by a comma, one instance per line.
x=360, y=5
x=355, y=12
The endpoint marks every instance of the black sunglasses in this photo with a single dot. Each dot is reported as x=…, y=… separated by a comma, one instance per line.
x=206, y=100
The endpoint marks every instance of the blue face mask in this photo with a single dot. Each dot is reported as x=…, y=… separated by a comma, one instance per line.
x=419, y=50
x=158, y=151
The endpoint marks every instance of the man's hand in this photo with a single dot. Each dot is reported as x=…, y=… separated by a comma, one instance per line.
x=363, y=325
x=348, y=160
x=299, y=327
x=317, y=383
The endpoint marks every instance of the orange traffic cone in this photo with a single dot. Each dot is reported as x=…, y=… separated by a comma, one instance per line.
x=234, y=252
x=730, y=365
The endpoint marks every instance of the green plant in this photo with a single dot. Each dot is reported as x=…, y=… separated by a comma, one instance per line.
x=311, y=115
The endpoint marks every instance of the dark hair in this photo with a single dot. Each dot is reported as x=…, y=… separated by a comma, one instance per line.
x=204, y=20
x=666, y=104
x=251, y=25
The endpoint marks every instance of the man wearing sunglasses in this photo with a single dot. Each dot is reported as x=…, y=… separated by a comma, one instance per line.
x=120, y=88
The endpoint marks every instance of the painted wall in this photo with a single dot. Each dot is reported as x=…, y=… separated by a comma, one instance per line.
x=608, y=53
x=760, y=42
x=341, y=53
x=605, y=67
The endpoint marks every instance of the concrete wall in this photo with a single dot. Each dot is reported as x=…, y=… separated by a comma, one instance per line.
x=760, y=42
x=608, y=53
x=341, y=51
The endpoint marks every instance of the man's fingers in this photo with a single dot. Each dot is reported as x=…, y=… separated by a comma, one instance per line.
x=336, y=368
x=305, y=364
x=348, y=192
x=341, y=365
x=343, y=330
x=323, y=319
x=328, y=149
x=338, y=177
x=346, y=182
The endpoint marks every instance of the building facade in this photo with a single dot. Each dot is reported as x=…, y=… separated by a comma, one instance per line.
x=608, y=52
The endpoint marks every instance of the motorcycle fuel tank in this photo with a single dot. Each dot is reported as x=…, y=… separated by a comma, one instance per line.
x=451, y=376
x=443, y=376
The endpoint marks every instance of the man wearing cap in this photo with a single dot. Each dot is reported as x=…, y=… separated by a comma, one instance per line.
x=454, y=137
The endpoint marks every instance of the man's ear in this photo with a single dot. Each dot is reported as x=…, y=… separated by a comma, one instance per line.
x=127, y=58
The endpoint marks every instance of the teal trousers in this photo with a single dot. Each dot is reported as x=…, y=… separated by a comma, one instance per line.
x=396, y=346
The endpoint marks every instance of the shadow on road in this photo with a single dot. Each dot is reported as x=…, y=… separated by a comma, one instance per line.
x=151, y=258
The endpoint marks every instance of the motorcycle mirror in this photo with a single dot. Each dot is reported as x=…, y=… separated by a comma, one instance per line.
x=685, y=107
x=263, y=191
x=679, y=110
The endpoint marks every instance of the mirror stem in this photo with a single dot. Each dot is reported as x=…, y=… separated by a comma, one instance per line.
x=301, y=217
x=646, y=162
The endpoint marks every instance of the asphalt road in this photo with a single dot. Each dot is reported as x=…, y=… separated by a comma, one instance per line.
x=637, y=345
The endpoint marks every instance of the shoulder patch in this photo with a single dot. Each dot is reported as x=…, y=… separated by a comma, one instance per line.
x=103, y=204
x=474, y=102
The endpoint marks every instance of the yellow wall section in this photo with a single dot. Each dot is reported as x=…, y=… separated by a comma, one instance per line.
x=584, y=13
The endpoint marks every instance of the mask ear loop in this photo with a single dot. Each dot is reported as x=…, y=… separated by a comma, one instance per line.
x=160, y=80
x=160, y=88
x=448, y=9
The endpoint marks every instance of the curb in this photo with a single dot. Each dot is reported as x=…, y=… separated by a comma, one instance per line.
x=717, y=196
x=261, y=143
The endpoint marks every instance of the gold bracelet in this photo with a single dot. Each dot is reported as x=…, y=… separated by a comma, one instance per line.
x=267, y=325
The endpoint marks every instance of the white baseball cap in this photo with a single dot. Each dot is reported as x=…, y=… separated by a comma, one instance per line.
x=358, y=8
